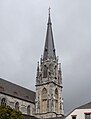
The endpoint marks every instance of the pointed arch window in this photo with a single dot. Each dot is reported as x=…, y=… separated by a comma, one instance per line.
x=51, y=69
x=55, y=68
x=3, y=102
x=44, y=100
x=17, y=106
x=45, y=71
x=56, y=93
x=44, y=93
x=28, y=110
x=56, y=100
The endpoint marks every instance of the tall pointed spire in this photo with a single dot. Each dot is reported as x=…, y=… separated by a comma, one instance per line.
x=49, y=80
x=49, y=49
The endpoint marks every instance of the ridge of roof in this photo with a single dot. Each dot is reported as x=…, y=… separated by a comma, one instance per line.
x=12, y=83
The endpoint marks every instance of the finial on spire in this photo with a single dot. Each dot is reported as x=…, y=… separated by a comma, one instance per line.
x=49, y=19
x=49, y=10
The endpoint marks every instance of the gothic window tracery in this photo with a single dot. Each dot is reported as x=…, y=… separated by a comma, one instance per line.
x=55, y=68
x=45, y=71
x=44, y=100
x=56, y=93
x=3, y=102
x=56, y=100
x=51, y=69
x=44, y=93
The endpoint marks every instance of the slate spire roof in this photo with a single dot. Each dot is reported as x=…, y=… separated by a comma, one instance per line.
x=49, y=49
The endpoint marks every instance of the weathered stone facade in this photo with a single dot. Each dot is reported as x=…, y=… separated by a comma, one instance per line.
x=17, y=97
x=49, y=102
x=18, y=104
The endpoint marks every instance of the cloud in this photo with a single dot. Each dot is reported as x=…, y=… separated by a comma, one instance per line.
x=22, y=37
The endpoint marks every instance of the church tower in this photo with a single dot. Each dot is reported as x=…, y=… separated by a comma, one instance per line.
x=49, y=101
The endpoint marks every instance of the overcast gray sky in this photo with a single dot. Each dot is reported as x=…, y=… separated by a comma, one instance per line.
x=22, y=36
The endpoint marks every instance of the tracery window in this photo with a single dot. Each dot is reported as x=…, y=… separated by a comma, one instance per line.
x=55, y=68
x=56, y=100
x=44, y=100
x=17, y=106
x=45, y=71
x=51, y=69
x=3, y=102
x=44, y=93
x=56, y=93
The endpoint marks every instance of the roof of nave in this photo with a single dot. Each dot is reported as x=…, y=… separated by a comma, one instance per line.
x=17, y=91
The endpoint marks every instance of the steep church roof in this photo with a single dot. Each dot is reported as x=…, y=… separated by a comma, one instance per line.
x=49, y=49
x=17, y=91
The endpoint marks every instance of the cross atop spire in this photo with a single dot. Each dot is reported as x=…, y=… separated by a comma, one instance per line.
x=49, y=10
x=49, y=19
x=49, y=49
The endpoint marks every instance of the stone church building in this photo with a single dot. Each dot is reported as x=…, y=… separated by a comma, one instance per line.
x=47, y=101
